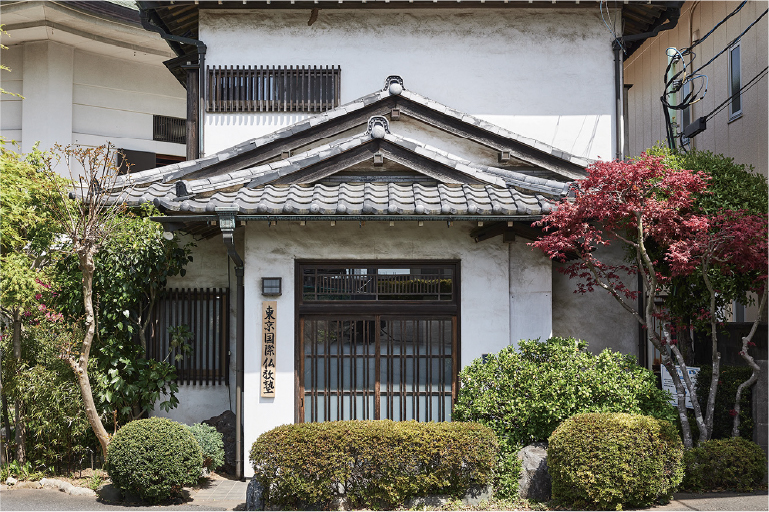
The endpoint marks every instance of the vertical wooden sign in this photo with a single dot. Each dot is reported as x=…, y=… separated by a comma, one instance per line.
x=269, y=320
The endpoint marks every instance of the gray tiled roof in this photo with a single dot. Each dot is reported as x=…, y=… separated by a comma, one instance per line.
x=266, y=173
x=179, y=170
x=361, y=199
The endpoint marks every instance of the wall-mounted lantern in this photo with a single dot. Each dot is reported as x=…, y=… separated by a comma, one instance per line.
x=272, y=286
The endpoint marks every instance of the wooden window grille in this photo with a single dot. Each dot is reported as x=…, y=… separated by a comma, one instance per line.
x=205, y=312
x=377, y=341
x=272, y=89
x=430, y=283
x=169, y=129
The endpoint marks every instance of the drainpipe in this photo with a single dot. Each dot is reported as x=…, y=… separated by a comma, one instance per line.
x=227, y=226
x=201, y=47
x=619, y=79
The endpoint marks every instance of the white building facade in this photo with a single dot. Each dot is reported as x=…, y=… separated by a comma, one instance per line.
x=383, y=167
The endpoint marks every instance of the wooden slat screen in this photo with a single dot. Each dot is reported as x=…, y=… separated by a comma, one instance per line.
x=169, y=129
x=205, y=312
x=272, y=89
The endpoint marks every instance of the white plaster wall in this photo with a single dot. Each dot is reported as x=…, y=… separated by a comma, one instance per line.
x=199, y=402
x=595, y=317
x=210, y=268
x=47, y=90
x=546, y=74
x=11, y=81
x=74, y=96
x=273, y=251
x=531, y=293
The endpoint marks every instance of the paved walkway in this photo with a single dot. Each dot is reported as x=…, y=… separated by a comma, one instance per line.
x=222, y=492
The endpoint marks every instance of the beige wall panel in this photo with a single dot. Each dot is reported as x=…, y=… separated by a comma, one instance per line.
x=744, y=138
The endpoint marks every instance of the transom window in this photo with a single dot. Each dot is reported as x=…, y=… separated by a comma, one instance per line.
x=377, y=341
x=379, y=283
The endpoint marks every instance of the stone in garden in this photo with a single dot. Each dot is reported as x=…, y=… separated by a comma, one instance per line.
x=81, y=491
x=109, y=493
x=534, y=483
x=28, y=485
x=254, y=499
x=10, y=481
x=225, y=425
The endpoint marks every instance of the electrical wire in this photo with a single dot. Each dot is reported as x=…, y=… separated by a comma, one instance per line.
x=753, y=81
x=688, y=50
x=617, y=39
x=673, y=84
x=744, y=88
x=733, y=41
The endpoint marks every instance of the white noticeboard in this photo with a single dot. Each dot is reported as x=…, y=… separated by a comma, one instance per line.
x=667, y=383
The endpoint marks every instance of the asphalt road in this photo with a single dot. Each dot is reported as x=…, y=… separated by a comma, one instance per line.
x=46, y=499
x=50, y=499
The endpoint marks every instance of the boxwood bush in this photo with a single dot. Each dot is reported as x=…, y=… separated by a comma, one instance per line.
x=154, y=459
x=611, y=460
x=719, y=464
x=375, y=464
x=524, y=394
x=211, y=444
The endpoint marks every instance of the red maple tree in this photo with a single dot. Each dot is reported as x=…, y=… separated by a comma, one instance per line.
x=632, y=203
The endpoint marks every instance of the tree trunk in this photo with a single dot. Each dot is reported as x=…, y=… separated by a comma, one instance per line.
x=18, y=406
x=646, y=267
x=715, y=356
x=80, y=365
x=751, y=362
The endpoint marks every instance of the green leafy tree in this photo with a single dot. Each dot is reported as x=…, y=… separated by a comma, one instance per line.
x=28, y=230
x=727, y=263
x=87, y=223
x=134, y=265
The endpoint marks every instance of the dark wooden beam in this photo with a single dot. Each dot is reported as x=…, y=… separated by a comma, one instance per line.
x=497, y=142
x=334, y=164
x=424, y=165
x=275, y=148
x=193, y=97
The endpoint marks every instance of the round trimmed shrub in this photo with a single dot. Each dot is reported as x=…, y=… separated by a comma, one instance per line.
x=211, y=443
x=734, y=463
x=524, y=394
x=608, y=461
x=154, y=459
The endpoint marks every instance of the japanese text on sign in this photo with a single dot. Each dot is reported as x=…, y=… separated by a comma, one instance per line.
x=269, y=321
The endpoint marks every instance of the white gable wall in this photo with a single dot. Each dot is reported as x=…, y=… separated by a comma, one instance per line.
x=546, y=74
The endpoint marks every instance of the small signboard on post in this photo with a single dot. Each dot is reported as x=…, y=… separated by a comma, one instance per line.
x=667, y=383
x=269, y=321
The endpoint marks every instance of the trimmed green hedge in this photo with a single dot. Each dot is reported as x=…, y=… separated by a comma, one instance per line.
x=734, y=463
x=375, y=464
x=607, y=461
x=524, y=394
x=154, y=459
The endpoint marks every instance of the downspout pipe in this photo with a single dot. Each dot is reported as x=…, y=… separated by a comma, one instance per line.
x=619, y=79
x=201, y=48
x=227, y=226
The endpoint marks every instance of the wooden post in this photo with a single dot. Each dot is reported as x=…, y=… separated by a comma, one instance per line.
x=193, y=97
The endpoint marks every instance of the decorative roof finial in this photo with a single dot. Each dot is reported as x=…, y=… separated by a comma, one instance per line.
x=394, y=84
x=378, y=127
